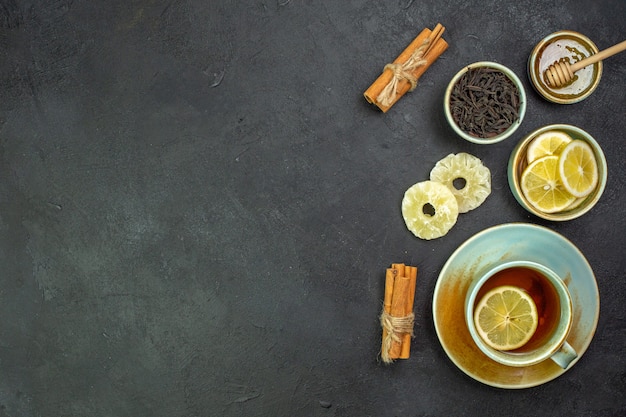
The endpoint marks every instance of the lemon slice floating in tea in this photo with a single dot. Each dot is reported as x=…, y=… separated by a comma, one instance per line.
x=506, y=318
x=578, y=168
x=548, y=143
x=429, y=209
x=542, y=186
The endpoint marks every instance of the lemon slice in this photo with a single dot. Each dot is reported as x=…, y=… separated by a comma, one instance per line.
x=542, y=187
x=467, y=178
x=551, y=142
x=506, y=318
x=575, y=204
x=578, y=168
x=429, y=209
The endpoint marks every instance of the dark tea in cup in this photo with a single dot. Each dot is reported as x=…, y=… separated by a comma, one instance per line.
x=553, y=316
x=543, y=294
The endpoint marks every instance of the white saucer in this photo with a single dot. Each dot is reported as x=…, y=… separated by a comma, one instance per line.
x=513, y=241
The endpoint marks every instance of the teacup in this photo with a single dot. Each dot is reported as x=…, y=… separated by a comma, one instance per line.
x=554, y=310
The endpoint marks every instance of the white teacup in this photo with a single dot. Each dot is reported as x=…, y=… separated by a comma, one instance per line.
x=554, y=307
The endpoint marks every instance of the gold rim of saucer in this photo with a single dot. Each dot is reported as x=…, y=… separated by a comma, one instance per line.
x=565, y=44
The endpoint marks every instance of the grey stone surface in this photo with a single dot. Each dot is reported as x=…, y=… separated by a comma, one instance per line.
x=197, y=206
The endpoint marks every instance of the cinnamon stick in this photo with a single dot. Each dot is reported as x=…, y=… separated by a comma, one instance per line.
x=390, y=277
x=399, y=269
x=401, y=78
x=406, y=338
x=401, y=289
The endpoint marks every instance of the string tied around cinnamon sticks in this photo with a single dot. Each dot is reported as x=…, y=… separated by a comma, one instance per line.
x=395, y=328
x=403, y=71
x=402, y=74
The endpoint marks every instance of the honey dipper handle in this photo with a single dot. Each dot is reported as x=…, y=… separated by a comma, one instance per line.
x=599, y=56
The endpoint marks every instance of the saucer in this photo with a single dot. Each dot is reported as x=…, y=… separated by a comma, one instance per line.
x=508, y=242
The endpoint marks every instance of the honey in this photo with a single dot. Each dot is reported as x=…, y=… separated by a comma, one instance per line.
x=567, y=47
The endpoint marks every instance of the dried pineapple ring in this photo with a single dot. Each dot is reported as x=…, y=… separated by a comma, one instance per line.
x=429, y=209
x=467, y=178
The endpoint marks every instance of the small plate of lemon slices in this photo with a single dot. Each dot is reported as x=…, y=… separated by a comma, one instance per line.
x=495, y=245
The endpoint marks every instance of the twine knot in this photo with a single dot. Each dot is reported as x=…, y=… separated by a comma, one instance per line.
x=395, y=327
x=403, y=72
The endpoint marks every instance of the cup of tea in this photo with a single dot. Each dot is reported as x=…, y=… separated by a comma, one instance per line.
x=540, y=291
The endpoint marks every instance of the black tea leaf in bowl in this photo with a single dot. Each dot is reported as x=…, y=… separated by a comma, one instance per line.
x=485, y=102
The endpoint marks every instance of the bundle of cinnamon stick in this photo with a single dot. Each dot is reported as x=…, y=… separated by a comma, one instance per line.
x=402, y=75
x=397, y=316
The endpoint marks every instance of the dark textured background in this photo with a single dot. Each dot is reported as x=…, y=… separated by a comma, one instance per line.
x=197, y=206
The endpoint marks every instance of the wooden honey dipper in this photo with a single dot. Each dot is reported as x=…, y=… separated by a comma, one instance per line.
x=560, y=73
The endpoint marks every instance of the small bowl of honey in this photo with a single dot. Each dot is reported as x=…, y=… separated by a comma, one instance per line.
x=526, y=154
x=569, y=47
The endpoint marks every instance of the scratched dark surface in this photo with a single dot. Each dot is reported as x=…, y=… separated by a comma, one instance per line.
x=197, y=206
